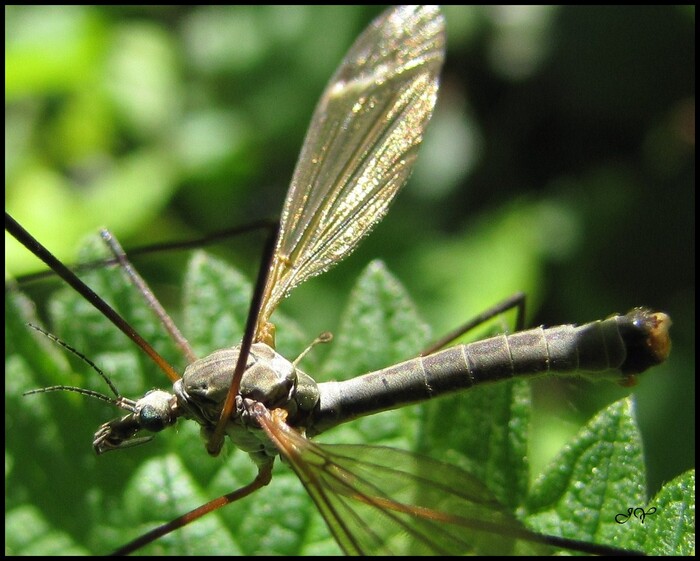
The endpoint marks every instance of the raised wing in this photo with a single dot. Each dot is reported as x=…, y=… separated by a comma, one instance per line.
x=360, y=147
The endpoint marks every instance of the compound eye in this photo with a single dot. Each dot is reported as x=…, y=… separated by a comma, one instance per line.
x=154, y=411
x=152, y=418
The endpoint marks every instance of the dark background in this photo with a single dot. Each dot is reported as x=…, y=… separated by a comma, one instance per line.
x=560, y=161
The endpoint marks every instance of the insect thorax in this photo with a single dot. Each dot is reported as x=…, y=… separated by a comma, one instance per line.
x=269, y=378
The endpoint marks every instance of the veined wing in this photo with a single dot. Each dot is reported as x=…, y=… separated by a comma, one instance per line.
x=384, y=501
x=360, y=146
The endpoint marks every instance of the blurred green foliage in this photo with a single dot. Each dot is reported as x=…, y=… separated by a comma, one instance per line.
x=560, y=161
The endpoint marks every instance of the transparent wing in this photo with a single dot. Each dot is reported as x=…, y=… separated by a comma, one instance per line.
x=383, y=501
x=360, y=146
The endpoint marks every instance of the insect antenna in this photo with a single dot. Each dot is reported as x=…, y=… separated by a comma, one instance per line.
x=119, y=400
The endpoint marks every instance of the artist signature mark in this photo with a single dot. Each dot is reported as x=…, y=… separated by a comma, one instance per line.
x=638, y=513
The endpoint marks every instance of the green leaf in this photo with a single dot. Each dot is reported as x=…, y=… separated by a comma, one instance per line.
x=670, y=529
x=494, y=447
x=379, y=327
x=84, y=503
x=599, y=474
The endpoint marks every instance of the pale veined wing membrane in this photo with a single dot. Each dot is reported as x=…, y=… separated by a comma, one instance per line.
x=379, y=500
x=360, y=147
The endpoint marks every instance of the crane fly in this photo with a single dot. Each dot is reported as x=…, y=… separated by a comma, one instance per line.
x=358, y=152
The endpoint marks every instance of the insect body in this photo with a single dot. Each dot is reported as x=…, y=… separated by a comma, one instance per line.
x=633, y=343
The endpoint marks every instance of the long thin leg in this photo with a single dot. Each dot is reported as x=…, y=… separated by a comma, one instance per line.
x=263, y=478
x=28, y=241
x=216, y=440
x=148, y=296
x=516, y=301
x=203, y=241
